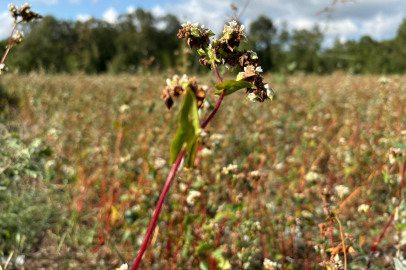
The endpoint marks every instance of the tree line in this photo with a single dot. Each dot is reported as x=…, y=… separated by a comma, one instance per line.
x=139, y=41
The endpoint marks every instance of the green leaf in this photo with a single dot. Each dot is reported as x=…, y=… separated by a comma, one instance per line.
x=398, y=264
x=399, y=145
x=401, y=227
x=210, y=33
x=210, y=55
x=222, y=263
x=223, y=215
x=203, y=247
x=204, y=266
x=195, y=32
x=189, y=129
x=201, y=52
x=231, y=86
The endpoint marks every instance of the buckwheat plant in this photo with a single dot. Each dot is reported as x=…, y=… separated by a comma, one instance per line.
x=22, y=14
x=224, y=51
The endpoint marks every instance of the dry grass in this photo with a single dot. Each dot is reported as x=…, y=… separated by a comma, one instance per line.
x=106, y=167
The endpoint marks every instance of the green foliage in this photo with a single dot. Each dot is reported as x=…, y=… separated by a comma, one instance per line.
x=231, y=86
x=188, y=131
x=25, y=209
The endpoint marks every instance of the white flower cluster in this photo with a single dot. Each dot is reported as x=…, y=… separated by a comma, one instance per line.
x=176, y=80
x=229, y=168
x=231, y=28
x=312, y=176
x=18, y=36
x=270, y=265
x=195, y=26
x=205, y=152
x=363, y=208
x=192, y=197
x=12, y=8
x=190, y=25
x=2, y=68
x=342, y=190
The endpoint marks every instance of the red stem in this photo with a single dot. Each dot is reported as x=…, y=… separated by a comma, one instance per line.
x=390, y=220
x=169, y=180
x=331, y=233
x=9, y=44
x=218, y=240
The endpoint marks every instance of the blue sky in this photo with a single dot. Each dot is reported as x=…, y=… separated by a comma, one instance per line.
x=377, y=18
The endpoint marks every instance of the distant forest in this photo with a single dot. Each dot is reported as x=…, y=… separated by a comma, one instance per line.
x=139, y=41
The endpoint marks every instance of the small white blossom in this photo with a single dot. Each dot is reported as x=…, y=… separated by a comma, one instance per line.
x=216, y=137
x=195, y=25
x=253, y=55
x=363, y=208
x=18, y=35
x=242, y=27
x=203, y=26
x=252, y=97
x=270, y=265
x=269, y=91
x=20, y=260
x=2, y=67
x=254, y=173
x=192, y=197
x=183, y=25
x=307, y=214
x=312, y=176
x=189, y=23
x=342, y=190
x=184, y=81
x=383, y=80
x=159, y=163
x=229, y=168
x=233, y=23
x=124, y=108
x=259, y=70
x=206, y=152
x=124, y=267
x=12, y=7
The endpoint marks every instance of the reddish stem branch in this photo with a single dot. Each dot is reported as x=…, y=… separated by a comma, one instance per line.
x=390, y=219
x=218, y=240
x=169, y=180
x=9, y=44
x=331, y=233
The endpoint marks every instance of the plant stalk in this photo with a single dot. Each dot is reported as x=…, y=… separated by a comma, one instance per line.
x=169, y=180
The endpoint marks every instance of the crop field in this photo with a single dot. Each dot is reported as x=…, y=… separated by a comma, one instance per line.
x=84, y=160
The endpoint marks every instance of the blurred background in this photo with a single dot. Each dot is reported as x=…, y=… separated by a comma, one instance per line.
x=85, y=136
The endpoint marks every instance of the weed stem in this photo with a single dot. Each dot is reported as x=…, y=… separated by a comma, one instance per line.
x=169, y=180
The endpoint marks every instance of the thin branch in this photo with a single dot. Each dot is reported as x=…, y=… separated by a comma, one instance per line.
x=9, y=43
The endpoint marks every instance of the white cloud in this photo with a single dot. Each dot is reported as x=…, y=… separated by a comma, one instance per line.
x=130, y=9
x=110, y=15
x=158, y=11
x=83, y=17
x=6, y=24
x=377, y=18
x=45, y=2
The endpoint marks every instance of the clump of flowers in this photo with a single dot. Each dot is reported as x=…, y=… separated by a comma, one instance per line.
x=226, y=51
x=24, y=12
x=363, y=208
x=342, y=190
x=177, y=86
x=26, y=15
x=270, y=265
